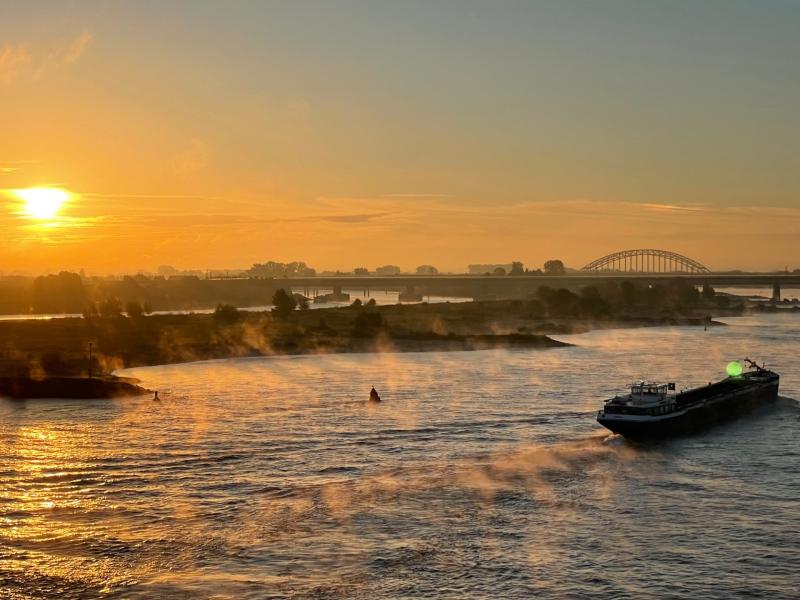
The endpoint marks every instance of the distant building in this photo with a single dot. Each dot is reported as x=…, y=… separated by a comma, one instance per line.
x=388, y=270
x=482, y=269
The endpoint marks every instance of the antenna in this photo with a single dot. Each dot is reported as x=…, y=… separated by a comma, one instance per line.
x=754, y=365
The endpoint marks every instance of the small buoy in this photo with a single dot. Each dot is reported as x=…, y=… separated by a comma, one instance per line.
x=373, y=396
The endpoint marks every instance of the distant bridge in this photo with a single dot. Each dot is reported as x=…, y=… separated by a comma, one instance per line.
x=646, y=260
x=502, y=286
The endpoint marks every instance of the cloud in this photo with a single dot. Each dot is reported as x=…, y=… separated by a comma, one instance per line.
x=13, y=59
x=21, y=61
x=76, y=48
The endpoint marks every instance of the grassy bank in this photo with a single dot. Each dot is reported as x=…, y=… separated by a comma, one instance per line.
x=61, y=347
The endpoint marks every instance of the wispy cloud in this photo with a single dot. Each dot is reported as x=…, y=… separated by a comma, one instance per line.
x=28, y=61
x=13, y=59
x=75, y=49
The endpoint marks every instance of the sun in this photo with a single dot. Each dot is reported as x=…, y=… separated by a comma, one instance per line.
x=42, y=202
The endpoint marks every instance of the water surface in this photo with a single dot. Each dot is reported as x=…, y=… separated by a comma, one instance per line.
x=482, y=474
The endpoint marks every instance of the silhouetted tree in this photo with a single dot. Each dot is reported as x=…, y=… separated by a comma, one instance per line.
x=90, y=311
x=554, y=267
x=110, y=307
x=356, y=303
x=427, y=270
x=535, y=309
x=279, y=269
x=517, y=268
x=499, y=271
x=62, y=293
x=628, y=293
x=134, y=309
x=360, y=271
x=708, y=292
x=227, y=314
x=563, y=303
x=371, y=303
x=592, y=302
x=387, y=270
x=283, y=303
x=367, y=323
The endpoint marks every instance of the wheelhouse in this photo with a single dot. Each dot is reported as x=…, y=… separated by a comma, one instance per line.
x=646, y=394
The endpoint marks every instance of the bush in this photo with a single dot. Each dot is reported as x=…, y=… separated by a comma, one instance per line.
x=283, y=303
x=110, y=307
x=367, y=324
x=134, y=309
x=226, y=314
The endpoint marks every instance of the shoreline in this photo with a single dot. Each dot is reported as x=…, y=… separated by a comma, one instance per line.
x=39, y=355
x=446, y=344
x=112, y=385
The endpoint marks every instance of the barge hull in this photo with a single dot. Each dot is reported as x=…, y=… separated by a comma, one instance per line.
x=696, y=416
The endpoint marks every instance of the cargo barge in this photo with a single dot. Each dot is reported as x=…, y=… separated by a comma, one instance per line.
x=655, y=410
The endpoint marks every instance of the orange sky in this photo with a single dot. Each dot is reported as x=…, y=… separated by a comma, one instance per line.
x=211, y=138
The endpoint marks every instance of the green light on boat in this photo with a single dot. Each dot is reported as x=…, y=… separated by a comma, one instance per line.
x=734, y=369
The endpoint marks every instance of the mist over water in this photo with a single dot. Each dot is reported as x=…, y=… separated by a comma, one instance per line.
x=481, y=474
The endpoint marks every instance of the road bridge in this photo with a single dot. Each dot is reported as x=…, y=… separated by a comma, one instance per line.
x=521, y=286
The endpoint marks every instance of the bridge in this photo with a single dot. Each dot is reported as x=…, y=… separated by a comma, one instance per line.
x=648, y=266
x=646, y=260
x=487, y=287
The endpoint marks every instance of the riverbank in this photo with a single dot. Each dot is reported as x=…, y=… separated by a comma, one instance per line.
x=109, y=386
x=67, y=347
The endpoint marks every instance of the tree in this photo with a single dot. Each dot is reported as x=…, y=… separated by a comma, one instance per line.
x=283, y=303
x=709, y=293
x=62, y=293
x=367, y=323
x=388, y=270
x=110, y=307
x=279, y=269
x=360, y=271
x=90, y=311
x=499, y=271
x=517, y=268
x=356, y=303
x=554, y=267
x=629, y=293
x=134, y=309
x=535, y=309
x=226, y=314
x=427, y=270
x=592, y=302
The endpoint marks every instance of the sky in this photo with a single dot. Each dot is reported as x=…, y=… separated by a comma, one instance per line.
x=343, y=133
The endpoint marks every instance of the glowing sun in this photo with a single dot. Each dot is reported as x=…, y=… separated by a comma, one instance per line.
x=42, y=202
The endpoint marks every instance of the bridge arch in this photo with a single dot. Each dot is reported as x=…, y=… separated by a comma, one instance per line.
x=646, y=260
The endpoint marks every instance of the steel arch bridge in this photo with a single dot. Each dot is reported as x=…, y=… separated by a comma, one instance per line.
x=646, y=260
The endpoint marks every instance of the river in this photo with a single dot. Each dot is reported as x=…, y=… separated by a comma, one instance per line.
x=480, y=475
